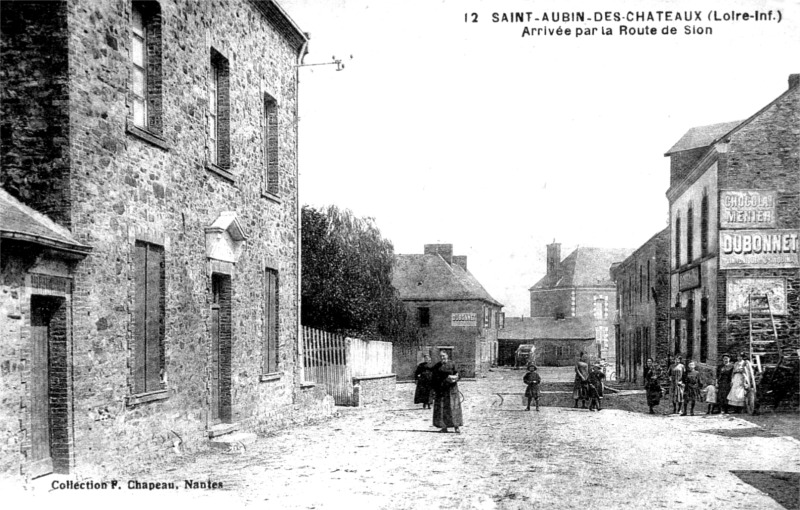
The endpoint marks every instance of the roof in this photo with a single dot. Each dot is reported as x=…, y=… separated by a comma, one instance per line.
x=431, y=278
x=702, y=136
x=283, y=22
x=547, y=328
x=584, y=267
x=20, y=222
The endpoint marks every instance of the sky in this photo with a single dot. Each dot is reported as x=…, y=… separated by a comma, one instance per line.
x=452, y=131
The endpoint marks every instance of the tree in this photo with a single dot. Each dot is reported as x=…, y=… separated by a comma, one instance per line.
x=347, y=276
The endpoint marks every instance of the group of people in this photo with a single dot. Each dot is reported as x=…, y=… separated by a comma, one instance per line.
x=734, y=387
x=588, y=384
x=437, y=385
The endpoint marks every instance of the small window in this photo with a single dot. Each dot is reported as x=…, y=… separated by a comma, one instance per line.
x=219, y=111
x=704, y=225
x=424, y=317
x=678, y=241
x=487, y=317
x=690, y=234
x=271, y=183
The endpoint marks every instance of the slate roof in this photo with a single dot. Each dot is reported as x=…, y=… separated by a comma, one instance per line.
x=20, y=222
x=431, y=278
x=702, y=136
x=585, y=267
x=547, y=328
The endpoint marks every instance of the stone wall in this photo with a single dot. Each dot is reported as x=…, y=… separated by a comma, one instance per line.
x=648, y=308
x=375, y=390
x=128, y=185
x=34, y=109
x=763, y=154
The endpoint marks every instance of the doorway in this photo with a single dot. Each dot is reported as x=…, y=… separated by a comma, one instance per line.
x=49, y=429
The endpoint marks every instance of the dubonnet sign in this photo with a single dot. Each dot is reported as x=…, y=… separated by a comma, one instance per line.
x=744, y=249
x=464, y=319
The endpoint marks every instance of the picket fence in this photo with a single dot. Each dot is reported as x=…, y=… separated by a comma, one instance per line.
x=333, y=360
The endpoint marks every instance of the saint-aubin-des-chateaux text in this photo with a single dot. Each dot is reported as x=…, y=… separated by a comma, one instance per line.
x=624, y=23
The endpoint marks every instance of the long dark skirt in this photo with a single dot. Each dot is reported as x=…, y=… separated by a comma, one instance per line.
x=580, y=389
x=447, y=408
x=653, y=392
x=423, y=394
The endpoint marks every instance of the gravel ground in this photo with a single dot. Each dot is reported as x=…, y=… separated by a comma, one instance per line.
x=505, y=458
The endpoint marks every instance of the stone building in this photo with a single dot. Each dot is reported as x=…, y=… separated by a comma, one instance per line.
x=558, y=341
x=453, y=311
x=580, y=286
x=734, y=201
x=160, y=138
x=642, y=319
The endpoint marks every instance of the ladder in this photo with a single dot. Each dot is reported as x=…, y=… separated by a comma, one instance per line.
x=765, y=346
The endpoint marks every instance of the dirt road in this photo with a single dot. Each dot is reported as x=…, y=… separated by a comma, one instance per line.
x=505, y=458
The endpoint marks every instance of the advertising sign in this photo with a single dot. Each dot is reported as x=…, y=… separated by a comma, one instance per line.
x=744, y=249
x=747, y=209
x=740, y=289
x=689, y=279
x=464, y=319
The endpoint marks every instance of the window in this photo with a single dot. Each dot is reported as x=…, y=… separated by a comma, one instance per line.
x=271, y=309
x=641, y=282
x=600, y=307
x=690, y=234
x=704, y=225
x=219, y=112
x=704, y=329
x=678, y=241
x=424, y=317
x=270, y=145
x=501, y=320
x=145, y=55
x=148, y=365
x=487, y=317
x=649, y=288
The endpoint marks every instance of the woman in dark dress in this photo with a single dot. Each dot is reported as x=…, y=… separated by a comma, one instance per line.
x=446, y=404
x=423, y=375
x=691, y=388
x=652, y=387
x=580, y=390
x=724, y=375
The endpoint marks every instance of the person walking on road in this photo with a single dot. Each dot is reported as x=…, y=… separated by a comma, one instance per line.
x=676, y=384
x=423, y=375
x=532, y=381
x=446, y=405
x=652, y=387
x=743, y=385
x=724, y=376
x=691, y=388
x=580, y=390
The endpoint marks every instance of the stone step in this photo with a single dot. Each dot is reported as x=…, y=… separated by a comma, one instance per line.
x=221, y=429
x=232, y=441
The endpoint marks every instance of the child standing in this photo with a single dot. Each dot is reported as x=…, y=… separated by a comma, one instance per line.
x=710, y=393
x=596, y=377
x=692, y=385
x=532, y=380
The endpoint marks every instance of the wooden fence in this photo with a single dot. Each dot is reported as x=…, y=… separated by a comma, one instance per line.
x=333, y=361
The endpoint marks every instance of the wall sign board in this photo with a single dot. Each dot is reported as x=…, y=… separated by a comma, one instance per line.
x=689, y=279
x=747, y=209
x=739, y=290
x=464, y=319
x=744, y=249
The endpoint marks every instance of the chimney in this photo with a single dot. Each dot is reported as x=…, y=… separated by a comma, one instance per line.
x=794, y=80
x=460, y=261
x=445, y=250
x=553, y=258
